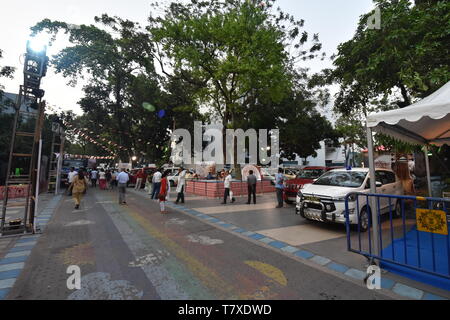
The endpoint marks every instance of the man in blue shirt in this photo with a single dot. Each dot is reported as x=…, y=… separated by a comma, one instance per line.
x=279, y=185
x=122, y=180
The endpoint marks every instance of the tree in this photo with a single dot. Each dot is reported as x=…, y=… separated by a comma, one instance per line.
x=6, y=72
x=117, y=56
x=239, y=57
x=408, y=58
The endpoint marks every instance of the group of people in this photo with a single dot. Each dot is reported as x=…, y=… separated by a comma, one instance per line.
x=160, y=185
x=78, y=182
x=107, y=179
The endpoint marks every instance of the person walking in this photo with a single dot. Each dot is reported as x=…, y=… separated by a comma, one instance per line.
x=180, y=185
x=227, y=186
x=164, y=189
x=122, y=180
x=79, y=187
x=94, y=176
x=139, y=177
x=70, y=177
x=157, y=177
x=279, y=185
x=102, y=179
x=108, y=176
x=251, y=187
x=113, y=179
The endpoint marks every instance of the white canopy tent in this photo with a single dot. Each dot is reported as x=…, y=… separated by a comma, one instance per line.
x=425, y=122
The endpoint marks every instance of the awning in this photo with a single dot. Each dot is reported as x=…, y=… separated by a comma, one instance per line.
x=425, y=122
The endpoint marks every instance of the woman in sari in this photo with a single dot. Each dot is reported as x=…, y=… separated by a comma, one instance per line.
x=79, y=187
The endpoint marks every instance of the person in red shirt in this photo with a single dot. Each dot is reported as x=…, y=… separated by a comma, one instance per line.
x=139, y=177
x=163, y=192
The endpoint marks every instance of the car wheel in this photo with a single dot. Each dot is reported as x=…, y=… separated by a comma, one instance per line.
x=364, y=219
x=289, y=201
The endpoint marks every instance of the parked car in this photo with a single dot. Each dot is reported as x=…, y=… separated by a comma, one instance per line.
x=305, y=176
x=268, y=174
x=65, y=169
x=324, y=200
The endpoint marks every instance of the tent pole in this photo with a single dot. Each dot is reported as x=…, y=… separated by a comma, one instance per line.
x=427, y=164
x=373, y=190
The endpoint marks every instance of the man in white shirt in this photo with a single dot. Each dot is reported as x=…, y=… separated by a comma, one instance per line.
x=122, y=179
x=94, y=176
x=180, y=185
x=156, y=184
x=227, y=185
x=70, y=177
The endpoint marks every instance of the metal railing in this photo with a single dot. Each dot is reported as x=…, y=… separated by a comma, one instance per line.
x=407, y=231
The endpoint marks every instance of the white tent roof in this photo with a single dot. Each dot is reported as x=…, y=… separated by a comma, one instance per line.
x=425, y=122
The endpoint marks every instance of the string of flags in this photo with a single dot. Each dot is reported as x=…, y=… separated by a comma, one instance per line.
x=88, y=138
x=81, y=156
x=97, y=139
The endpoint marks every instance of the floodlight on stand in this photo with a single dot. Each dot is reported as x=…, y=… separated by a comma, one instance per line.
x=37, y=45
x=38, y=93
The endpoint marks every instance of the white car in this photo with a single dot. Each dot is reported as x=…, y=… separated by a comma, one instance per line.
x=324, y=200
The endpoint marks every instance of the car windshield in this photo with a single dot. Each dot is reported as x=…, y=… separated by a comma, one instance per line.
x=72, y=163
x=310, y=174
x=346, y=179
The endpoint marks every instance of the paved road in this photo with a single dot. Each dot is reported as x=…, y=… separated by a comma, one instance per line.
x=133, y=252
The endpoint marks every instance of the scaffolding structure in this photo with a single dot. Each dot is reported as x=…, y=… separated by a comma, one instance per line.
x=22, y=172
x=56, y=158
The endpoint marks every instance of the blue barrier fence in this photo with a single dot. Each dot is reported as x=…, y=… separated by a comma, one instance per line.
x=408, y=235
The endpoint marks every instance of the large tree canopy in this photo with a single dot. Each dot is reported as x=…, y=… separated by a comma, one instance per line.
x=117, y=57
x=242, y=58
x=408, y=58
x=237, y=61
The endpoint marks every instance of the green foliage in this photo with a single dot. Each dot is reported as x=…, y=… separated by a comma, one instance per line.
x=117, y=56
x=6, y=72
x=238, y=57
x=408, y=58
x=235, y=59
x=228, y=49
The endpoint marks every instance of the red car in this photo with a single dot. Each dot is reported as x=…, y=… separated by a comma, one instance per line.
x=305, y=176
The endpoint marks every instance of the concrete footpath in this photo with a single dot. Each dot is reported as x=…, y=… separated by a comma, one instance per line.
x=323, y=244
x=15, y=249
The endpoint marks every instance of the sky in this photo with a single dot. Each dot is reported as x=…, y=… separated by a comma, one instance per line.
x=334, y=20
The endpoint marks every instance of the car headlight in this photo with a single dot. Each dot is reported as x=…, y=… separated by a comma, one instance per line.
x=300, y=195
x=351, y=198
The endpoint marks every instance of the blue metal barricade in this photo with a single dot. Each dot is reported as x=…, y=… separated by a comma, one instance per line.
x=403, y=232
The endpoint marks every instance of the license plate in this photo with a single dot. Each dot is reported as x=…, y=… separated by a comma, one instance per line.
x=313, y=199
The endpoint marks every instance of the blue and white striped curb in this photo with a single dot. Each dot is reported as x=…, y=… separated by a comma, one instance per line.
x=13, y=262
x=386, y=283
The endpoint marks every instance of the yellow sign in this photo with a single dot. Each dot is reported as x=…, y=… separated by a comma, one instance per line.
x=434, y=221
